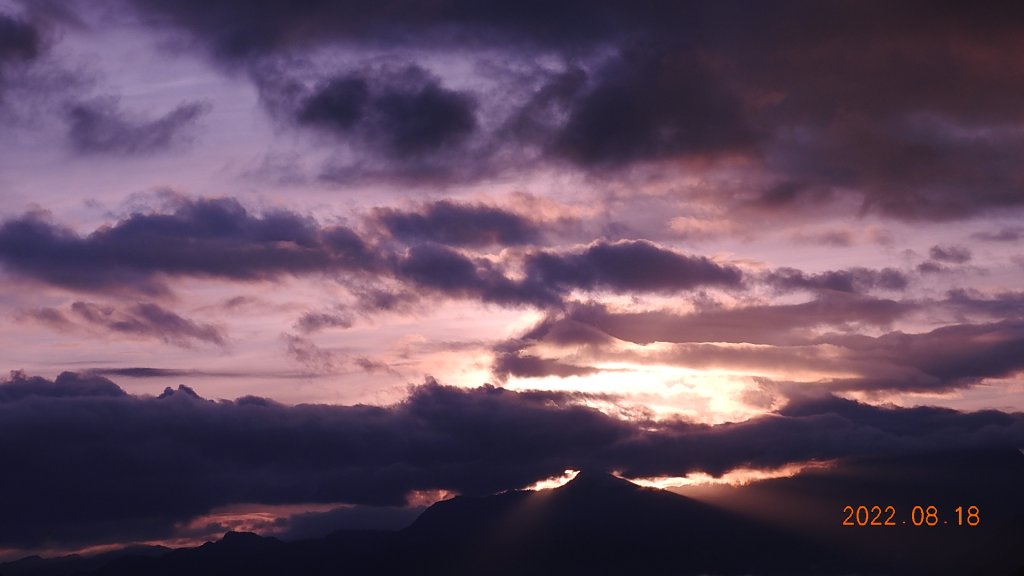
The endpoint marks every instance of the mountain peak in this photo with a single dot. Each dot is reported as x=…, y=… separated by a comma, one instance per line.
x=598, y=480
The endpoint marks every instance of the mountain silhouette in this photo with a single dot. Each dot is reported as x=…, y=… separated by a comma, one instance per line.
x=595, y=524
x=601, y=524
x=74, y=563
x=598, y=523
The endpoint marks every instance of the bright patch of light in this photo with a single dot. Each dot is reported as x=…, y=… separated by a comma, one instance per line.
x=657, y=391
x=737, y=477
x=554, y=481
x=428, y=497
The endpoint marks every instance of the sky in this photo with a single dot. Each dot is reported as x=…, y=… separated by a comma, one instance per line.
x=271, y=264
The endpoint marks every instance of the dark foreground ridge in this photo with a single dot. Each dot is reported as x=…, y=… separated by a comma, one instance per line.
x=601, y=524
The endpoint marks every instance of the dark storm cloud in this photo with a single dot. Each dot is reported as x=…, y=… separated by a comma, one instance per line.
x=148, y=320
x=630, y=265
x=234, y=31
x=853, y=280
x=219, y=238
x=789, y=67
x=91, y=464
x=653, y=105
x=170, y=458
x=18, y=40
x=626, y=266
x=910, y=169
x=950, y=254
x=455, y=224
x=919, y=121
x=403, y=113
x=821, y=428
x=215, y=238
x=100, y=127
x=443, y=270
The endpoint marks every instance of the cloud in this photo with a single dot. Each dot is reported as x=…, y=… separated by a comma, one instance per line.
x=778, y=324
x=625, y=266
x=145, y=319
x=1010, y=234
x=824, y=428
x=148, y=320
x=313, y=358
x=916, y=124
x=785, y=338
x=445, y=271
x=1004, y=305
x=455, y=224
x=219, y=238
x=950, y=254
x=403, y=113
x=213, y=238
x=920, y=122
x=317, y=360
x=853, y=280
x=946, y=358
x=51, y=317
x=234, y=33
x=315, y=321
x=91, y=464
x=911, y=164
x=67, y=385
x=18, y=40
x=566, y=330
x=930, y=267
x=142, y=372
x=20, y=43
x=99, y=127
x=530, y=366
x=629, y=265
x=649, y=105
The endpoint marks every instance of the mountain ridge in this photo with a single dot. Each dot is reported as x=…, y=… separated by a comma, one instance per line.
x=602, y=524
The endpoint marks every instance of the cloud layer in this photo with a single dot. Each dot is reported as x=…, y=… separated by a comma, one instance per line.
x=923, y=113
x=221, y=239
x=91, y=463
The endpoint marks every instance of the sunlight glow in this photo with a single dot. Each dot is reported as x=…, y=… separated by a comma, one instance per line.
x=428, y=497
x=737, y=477
x=554, y=481
x=657, y=392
